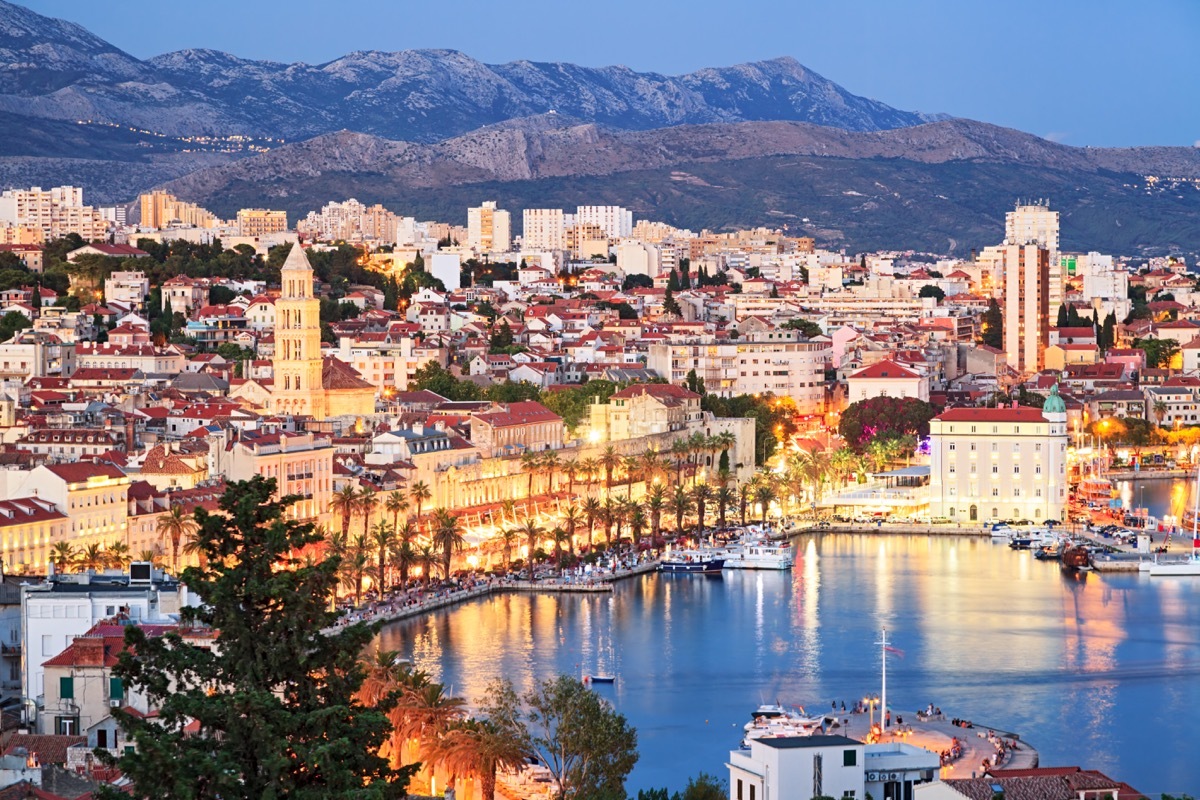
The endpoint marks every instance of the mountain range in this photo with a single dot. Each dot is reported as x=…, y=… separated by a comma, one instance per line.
x=429, y=132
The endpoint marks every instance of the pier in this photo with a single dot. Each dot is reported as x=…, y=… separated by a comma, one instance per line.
x=938, y=734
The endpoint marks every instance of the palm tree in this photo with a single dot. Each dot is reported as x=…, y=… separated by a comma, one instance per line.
x=745, y=492
x=368, y=502
x=448, y=535
x=680, y=505
x=637, y=523
x=570, y=468
x=650, y=465
x=764, y=495
x=382, y=538
x=344, y=503
x=175, y=526
x=531, y=464
x=427, y=558
x=591, y=512
x=608, y=515
x=356, y=566
x=396, y=504
x=420, y=494
x=559, y=535
x=550, y=467
x=725, y=497
x=609, y=460
x=724, y=441
x=428, y=712
x=571, y=517
x=1160, y=411
x=619, y=513
x=478, y=747
x=192, y=547
x=656, y=500
x=588, y=469
x=153, y=556
x=701, y=493
x=62, y=555
x=508, y=537
x=402, y=557
x=679, y=453
x=631, y=464
x=697, y=444
x=118, y=555
x=531, y=531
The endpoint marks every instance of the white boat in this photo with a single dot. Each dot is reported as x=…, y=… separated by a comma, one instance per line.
x=754, y=553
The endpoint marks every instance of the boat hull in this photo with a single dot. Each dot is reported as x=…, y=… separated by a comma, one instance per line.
x=707, y=567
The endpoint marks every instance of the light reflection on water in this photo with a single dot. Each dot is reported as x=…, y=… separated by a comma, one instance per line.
x=1099, y=670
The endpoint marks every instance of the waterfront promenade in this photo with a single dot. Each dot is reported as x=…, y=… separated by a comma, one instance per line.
x=416, y=602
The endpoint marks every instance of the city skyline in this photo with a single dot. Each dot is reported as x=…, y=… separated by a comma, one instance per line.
x=1055, y=72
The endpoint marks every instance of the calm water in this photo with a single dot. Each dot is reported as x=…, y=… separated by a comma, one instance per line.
x=1102, y=671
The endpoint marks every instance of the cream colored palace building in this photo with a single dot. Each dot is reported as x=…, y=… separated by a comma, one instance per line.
x=999, y=463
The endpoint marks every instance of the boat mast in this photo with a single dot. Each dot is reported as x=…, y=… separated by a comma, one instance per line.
x=1195, y=506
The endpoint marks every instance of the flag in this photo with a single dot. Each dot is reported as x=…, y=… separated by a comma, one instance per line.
x=894, y=650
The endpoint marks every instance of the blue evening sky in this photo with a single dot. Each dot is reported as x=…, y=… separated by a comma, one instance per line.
x=1084, y=72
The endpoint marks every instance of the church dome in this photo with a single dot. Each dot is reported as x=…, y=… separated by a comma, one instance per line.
x=1054, y=404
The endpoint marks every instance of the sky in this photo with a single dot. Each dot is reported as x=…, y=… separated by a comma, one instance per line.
x=1082, y=72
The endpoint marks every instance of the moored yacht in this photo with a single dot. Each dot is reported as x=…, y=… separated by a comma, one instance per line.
x=700, y=562
x=754, y=553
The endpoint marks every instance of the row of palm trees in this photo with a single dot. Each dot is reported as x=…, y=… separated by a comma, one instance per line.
x=685, y=453
x=94, y=556
x=432, y=728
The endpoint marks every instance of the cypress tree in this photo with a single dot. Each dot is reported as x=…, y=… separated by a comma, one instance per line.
x=273, y=697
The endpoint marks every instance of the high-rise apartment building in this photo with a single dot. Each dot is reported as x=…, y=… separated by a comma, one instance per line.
x=164, y=210
x=1026, y=305
x=543, y=229
x=616, y=222
x=55, y=212
x=261, y=222
x=350, y=221
x=1035, y=223
x=489, y=229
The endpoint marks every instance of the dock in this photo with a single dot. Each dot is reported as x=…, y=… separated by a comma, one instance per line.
x=937, y=735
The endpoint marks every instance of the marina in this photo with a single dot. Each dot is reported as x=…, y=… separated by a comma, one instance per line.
x=1081, y=665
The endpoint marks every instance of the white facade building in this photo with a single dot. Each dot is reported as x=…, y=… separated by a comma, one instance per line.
x=544, y=229
x=128, y=288
x=615, y=221
x=793, y=367
x=797, y=768
x=999, y=463
x=887, y=379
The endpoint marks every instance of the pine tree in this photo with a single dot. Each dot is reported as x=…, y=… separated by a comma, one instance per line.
x=1109, y=331
x=993, y=325
x=274, y=697
x=673, y=281
x=670, y=304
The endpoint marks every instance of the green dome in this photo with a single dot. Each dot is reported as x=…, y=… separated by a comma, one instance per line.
x=1054, y=404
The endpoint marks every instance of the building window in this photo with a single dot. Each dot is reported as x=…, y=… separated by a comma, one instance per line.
x=116, y=689
x=849, y=758
x=48, y=645
x=995, y=492
x=66, y=688
x=739, y=790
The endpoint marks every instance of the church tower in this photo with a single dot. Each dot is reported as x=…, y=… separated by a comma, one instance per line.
x=297, y=364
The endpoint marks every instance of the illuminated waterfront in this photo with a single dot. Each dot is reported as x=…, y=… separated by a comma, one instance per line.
x=1100, y=671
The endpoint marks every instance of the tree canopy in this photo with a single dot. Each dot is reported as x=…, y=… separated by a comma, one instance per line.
x=269, y=709
x=932, y=290
x=807, y=327
x=884, y=417
x=993, y=325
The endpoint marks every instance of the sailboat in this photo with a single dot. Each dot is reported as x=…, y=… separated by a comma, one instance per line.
x=1191, y=566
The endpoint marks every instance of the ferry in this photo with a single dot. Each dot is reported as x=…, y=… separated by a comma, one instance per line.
x=1096, y=490
x=692, y=562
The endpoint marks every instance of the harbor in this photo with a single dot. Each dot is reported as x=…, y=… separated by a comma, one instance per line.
x=1086, y=662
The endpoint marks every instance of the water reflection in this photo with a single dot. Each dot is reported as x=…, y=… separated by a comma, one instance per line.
x=1083, y=668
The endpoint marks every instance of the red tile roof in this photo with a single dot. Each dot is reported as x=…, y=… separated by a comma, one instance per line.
x=48, y=748
x=1019, y=414
x=886, y=369
x=526, y=412
x=80, y=472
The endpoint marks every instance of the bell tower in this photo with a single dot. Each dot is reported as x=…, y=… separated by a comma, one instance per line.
x=297, y=362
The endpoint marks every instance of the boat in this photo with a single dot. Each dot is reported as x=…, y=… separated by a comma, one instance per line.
x=692, y=562
x=1191, y=566
x=599, y=678
x=1096, y=490
x=755, y=553
x=1077, y=558
x=1020, y=541
x=1001, y=531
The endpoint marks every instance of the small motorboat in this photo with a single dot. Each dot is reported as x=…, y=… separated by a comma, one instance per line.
x=599, y=678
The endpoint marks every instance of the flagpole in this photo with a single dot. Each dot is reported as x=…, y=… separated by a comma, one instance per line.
x=883, y=709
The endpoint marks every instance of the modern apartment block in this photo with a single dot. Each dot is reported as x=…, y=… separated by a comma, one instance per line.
x=55, y=212
x=163, y=210
x=616, y=222
x=261, y=222
x=1026, y=306
x=544, y=229
x=792, y=368
x=489, y=229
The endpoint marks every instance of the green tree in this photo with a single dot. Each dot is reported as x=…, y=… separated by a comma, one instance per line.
x=11, y=323
x=671, y=305
x=930, y=290
x=588, y=747
x=884, y=417
x=807, y=327
x=269, y=710
x=637, y=282
x=1159, y=352
x=1061, y=321
x=993, y=325
x=705, y=787
x=501, y=339
x=695, y=383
